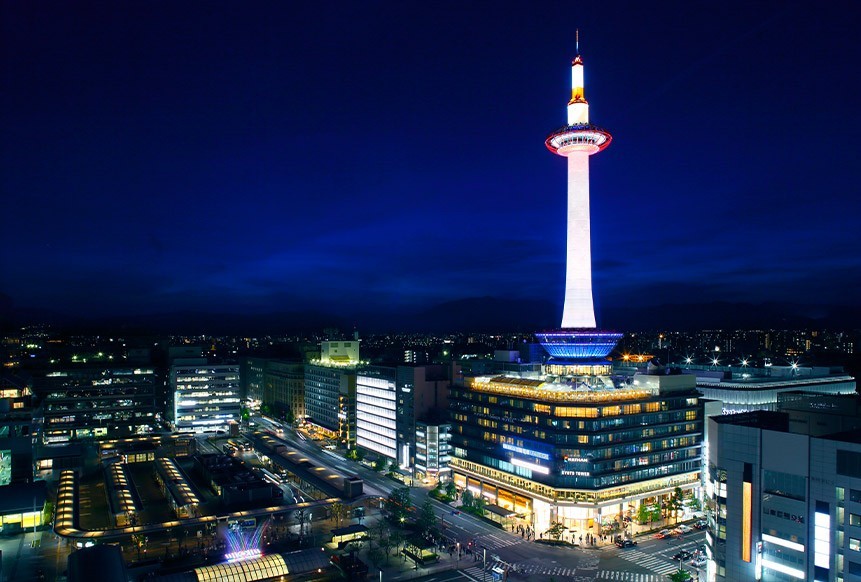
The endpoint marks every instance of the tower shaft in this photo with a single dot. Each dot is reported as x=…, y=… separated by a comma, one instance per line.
x=578, y=310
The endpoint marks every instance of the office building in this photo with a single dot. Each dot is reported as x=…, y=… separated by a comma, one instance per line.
x=16, y=428
x=284, y=388
x=389, y=401
x=433, y=448
x=205, y=396
x=97, y=402
x=330, y=391
x=785, y=492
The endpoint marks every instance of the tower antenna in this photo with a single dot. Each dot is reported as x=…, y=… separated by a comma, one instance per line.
x=577, y=40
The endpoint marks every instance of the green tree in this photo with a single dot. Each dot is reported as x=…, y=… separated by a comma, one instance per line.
x=556, y=530
x=427, y=517
x=381, y=463
x=451, y=490
x=478, y=504
x=245, y=414
x=467, y=498
x=398, y=504
x=675, y=502
x=265, y=409
x=289, y=417
x=680, y=575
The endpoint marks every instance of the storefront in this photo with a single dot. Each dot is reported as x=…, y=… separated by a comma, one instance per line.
x=23, y=506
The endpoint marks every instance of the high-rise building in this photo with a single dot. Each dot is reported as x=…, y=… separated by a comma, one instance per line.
x=330, y=391
x=205, y=396
x=389, y=401
x=785, y=491
x=284, y=388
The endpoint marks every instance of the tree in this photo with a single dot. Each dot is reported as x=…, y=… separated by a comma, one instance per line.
x=244, y=413
x=467, y=498
x=289, y=417
x=398, y=503
x=675, y=502
x=381, y=463
x=427, y=517
x=139, y=540
x=556, y=530
x=339, y=512
x=302, y=518
x=451, y=490
x=478, y=504
x=680, y=575
x=265, y=409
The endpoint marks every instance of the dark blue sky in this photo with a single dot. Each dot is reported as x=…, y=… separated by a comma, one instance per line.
x=361, y=157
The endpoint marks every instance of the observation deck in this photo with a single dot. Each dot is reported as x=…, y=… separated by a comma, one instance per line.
x=578, y=344
x=582, y=137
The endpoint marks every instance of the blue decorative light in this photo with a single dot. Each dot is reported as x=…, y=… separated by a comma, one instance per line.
x=578, y=344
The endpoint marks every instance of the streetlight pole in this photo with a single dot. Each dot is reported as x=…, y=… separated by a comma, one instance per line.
x=484, y=569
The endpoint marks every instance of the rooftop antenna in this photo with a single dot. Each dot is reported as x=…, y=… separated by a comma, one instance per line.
x=577, y=40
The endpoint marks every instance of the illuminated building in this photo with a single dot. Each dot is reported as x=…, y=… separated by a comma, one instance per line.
x=433, y=448
x=786, y=492
x=16, y=428
x=85, y=403
x=389, y=401
x=568, y=441
x=205, y=396
x=330, y=390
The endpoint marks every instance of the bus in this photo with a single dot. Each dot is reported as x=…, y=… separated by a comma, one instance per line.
x=269, y=476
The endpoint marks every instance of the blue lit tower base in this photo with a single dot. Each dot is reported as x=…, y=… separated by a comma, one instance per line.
x=578, y=346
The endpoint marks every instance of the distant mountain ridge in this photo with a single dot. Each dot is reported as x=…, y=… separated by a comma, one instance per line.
x=478, y=314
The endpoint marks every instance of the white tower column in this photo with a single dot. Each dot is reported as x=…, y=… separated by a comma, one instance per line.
x=578, y=310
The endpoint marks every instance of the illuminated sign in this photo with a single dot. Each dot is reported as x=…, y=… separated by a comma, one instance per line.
x=243, y=555
x=531, y=466
x=746, y=511
x=523, y=451
x=822, y=537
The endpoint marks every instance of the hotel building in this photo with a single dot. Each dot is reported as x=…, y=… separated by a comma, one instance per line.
x=330, y=390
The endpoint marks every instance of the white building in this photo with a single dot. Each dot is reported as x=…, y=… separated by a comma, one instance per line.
x=786, y=497
x=206, y=397
x=376, y=413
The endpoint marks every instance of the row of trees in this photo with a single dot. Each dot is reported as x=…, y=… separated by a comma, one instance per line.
x=676, y=502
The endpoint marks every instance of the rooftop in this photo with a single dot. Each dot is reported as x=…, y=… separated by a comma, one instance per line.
x=540, y=389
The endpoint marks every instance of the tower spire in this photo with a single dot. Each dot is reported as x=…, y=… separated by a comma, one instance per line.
x=577, y=41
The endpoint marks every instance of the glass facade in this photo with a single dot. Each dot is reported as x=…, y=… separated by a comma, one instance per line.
x=100, y=402
x=206, y=397
x=376, y=411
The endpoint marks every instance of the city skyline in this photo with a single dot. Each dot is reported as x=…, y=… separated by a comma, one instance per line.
x=275, y=160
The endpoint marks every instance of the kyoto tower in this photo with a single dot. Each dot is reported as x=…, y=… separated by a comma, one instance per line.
x=578, y=339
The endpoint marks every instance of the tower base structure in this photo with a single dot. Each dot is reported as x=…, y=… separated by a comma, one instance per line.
x=578, y=345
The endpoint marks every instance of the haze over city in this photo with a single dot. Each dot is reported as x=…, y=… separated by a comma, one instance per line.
x=376, y=161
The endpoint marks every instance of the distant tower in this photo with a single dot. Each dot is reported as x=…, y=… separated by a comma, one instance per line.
x=577, y=141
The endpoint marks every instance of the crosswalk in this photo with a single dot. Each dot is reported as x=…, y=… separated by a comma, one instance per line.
x=495, y=542
x=474, y=572
x=629, y=576
x=659, y=562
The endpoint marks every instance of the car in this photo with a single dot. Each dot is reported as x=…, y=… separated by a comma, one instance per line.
x=664, y=533
x=625, y=544
x=685, y=529
x=699, y=562
x=682, y=555
x=455, y=512
x=701, y=524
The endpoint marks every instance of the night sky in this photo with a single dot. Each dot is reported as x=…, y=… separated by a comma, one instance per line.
x=369, y=157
